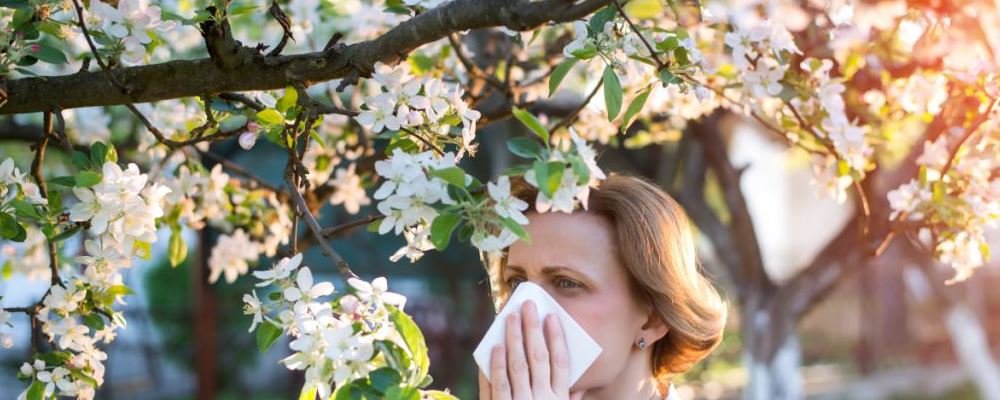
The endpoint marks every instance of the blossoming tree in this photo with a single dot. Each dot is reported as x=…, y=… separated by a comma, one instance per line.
x=387, y=98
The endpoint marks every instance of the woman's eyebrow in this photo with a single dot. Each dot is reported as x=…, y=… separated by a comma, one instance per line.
x=514, y=268
x=555, y=269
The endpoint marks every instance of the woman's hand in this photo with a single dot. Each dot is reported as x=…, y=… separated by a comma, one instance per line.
x=532, y=365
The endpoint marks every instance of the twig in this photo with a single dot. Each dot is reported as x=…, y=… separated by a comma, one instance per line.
x=342, y=267
x=286, y=27
x=566, y=121
x=36, y=172
x=423, y=139
x=319, y=108
x=341, y=228
x=473, y=68
x=242, y=98
x=969, y=134
x=652, y=52
x=239, y=170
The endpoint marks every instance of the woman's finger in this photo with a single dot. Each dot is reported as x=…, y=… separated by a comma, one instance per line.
x=536, y=349
x=558, y=354
x=517, y=364
x=500, y=387
x=484, y=387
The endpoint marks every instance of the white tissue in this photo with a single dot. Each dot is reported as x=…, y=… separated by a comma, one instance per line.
x=582, y=349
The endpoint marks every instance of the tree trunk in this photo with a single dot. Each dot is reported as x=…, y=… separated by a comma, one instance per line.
x=973, y=350
x=779, y=378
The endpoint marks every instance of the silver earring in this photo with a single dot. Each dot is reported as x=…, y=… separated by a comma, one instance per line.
x=642, y=343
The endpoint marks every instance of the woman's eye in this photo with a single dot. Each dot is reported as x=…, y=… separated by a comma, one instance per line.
x=513, y=282
x=564, y=283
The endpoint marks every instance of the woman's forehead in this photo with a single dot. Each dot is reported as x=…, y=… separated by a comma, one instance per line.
x=580, y=241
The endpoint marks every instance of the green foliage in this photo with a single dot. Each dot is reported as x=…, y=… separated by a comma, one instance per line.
x=612, y=93
x=532, y=123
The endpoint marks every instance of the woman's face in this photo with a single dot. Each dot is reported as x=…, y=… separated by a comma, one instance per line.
x=573, y=257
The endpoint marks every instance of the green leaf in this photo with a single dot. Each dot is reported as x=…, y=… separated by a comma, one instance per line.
x=7, y=270
x=10, y=229
x=21, y=17
x=581, y=170
x=177, y=249
x=532, y=123
x=421, y=63
x=465, y=232
x=668, y=77
x=525, y=148
x=612, y=93
x=414, y=340
x=644, y=9
x=143, y=249
x=453, y=175
x=119, y=290
x=383, y=378
x=681, y=54
x=541, y=169
x=288, y=100
x=439, y=395
x=554, y=178
x=98, y=153
x=267, y=334
x=80, y=376
x=559, y=73
x=442, y=228
x=36, y=391
x=80, y=160
x=24, y=209
x=67, y=181
x=402, y=393
x=517, y=170
x=637, y=103
x=243, y=9
x=54, y=358
x=668, y=44
x=600, y=18
x=94, y=321
x=270, y=116
x=516, y=228
x=48, y=54
x=307, y=393
x=88, y=178
x=67, y=233
x=14, y=3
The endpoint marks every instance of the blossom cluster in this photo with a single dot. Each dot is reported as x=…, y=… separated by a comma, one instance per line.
x=332, y=341
x=427, y=107
x=955, y=199
x=254, y=220
x=128, y=28
x=407, y=196
x=76, y=314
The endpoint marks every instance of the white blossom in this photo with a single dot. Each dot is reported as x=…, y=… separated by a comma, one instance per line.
x=348, y=190
x=506, y=205
x=304, y=290
x=231, y=256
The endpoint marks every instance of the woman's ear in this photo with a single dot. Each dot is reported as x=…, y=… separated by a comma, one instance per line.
x=654, y=328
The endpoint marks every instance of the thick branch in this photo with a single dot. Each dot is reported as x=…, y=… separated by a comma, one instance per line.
x=741, y=228
x=187, y=78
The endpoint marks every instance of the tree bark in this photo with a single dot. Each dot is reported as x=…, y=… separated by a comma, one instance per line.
x=187, y=78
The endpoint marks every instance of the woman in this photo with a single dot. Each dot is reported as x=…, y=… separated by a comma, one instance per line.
x=625, y=269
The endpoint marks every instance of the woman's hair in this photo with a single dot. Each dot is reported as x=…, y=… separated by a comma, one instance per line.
x=653, y=240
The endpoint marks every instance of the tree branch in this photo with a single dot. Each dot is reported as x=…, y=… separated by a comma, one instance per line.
x=342, y=267
x=187, y=78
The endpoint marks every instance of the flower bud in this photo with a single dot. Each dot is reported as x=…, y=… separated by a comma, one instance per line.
x=247, y=140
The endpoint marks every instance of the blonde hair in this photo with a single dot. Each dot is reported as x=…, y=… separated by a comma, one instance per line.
x=655, y=244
